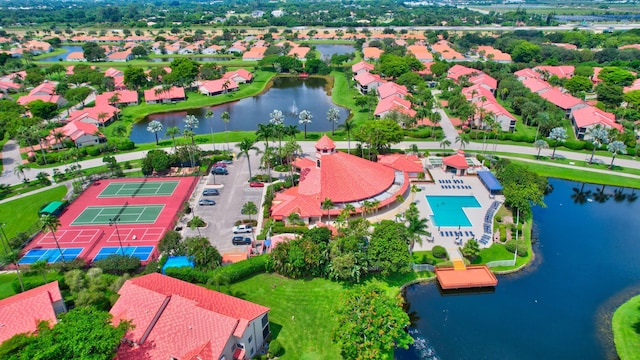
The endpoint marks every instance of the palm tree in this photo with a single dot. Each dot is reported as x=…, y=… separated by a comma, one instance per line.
x=350, y=208
x=102, y=117
x=245, y=146
x=19, y=171
x=348, y=126
x=249, y=208
x=172, y=132
x=463, y=139
x=616, y=147
x=436, y=117
x=191, y=122
x=188, y=134
x=599, y=135
x=41, y=267
x=540, y=144
x=226, y=118
x=13, y=257
x=155, y=127
x=305, y=118
x=327, y=205
x=367, y=206
x=265, y=132
x=119, y=130
x=209, y=115
x=445, y=143
x=558, y=135
x=417, y=228
x=50, y=222
x=333, y=116
x=58, y=135
x=267, y=158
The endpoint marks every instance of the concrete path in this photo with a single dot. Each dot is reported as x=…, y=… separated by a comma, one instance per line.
x=450, y=131
x=10, y=159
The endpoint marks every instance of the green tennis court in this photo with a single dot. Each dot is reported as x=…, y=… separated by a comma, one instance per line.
x=139, y=188
x=135, y=214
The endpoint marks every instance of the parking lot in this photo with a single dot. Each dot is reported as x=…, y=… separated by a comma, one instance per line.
x=234, y=193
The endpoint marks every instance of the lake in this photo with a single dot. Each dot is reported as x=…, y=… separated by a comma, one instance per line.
x=587, y=263
x=290, y=95
x=326, y=50
x=61, y=57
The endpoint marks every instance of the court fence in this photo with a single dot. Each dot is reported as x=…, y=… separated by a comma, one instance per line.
x=497, y=263
x=423, y=267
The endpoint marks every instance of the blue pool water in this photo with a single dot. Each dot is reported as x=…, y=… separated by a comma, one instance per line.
x=447, y=210
x=177, y=262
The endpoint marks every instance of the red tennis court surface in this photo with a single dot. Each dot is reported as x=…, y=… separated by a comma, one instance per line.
x=472, y=276
x=94, y=237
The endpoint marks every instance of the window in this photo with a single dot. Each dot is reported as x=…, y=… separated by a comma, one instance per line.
x=265, y=320
x=252, y=351
x=265, y=332
x=241, y=346
x=250, y=339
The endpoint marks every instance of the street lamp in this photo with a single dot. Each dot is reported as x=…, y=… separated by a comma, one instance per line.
x=4, y=235
x=114, y=222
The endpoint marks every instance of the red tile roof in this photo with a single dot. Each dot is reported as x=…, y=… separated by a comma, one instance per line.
x=325, y=143
x=94, y=113
x=527, y=73
x=563, y=71
x=634, y=86
x=174, y=318
x=23, y=100
x=361, y=66
x=366, y=78
x=173, y=93
x=405, y=163
x=496, y=55
x=484, y=79
x=590, y=115
x=560, y=99
x=372, y=53
x=21, y=313
x=420, y=52
x=535, y=84
x=456, y=71
x=124, y=97
x=217, y=86
x=392, y=89
x=457, y=160
x=394, y=103
x=243, y=73
x=477, y=91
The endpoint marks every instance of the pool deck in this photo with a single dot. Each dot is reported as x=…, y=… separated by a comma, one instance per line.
x=475, y=215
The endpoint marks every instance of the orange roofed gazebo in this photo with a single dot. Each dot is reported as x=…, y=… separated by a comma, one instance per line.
x=456, y=163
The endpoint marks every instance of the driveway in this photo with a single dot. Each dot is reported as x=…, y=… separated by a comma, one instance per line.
x=234, y=193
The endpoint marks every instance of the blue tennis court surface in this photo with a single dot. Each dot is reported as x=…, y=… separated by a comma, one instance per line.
x=50, y=255
x=141, y=252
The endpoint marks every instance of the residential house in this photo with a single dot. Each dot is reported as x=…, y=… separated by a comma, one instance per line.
x=587, y=117
x=174, y=319
x=299, y=52
x=99, y=115
x=256, y=53
x=76, y=56
x=366, y=82
x=477, y=92
x=490, y=106
x=392, y=104
x=360, y=67
x=535, y=85
x=492, y=54
x=240, y=76
x=527, y=73
x=213, y=49
x=120, y=56
x=562, y=71
x=38, y=47
x=80, y=132
x=113, y=72
x=484, y=80
x=158, y=95
x=457, y=71
x=372, y=53
x=391, y=89
x=217, y=87
x=446, y=52
x=21, y=313
x=45, y=92
x=562, y=100
x=421, y=53
x=125, y=97
x=236, y=48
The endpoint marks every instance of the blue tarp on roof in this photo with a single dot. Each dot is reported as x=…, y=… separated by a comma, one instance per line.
x=490, y=181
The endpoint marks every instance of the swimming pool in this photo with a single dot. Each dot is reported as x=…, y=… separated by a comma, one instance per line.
x=447, y=209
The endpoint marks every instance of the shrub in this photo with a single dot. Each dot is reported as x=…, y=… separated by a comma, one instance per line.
x=196, y=221
x=281, y=229
x=510, y=246
x=188, y=274
x=171, y=244
x=151, y=267
x=275, y=348
x=253, y=222
x=117, y=264
x=242, y=269
x=574, y=144
x=93, y=151
x=29, y=282
x=439, y=252
x=126, y=144
x=19, y=240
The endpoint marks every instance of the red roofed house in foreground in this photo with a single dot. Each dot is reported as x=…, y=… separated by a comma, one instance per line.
x=588, y=117
x=21, y=313
x=81, y=133
x=217, y=87
x=343, y=178
x=158, y=95
x=177, y=320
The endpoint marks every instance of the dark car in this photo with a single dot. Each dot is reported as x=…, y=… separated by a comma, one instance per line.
x=210, y=192
x=206, y=202
x=256, y=184
x=219, y=171
x=241, y=240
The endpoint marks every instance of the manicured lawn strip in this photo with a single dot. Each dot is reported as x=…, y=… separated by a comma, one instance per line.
x=6, y=289
x=343, y=95
x=19, y=215
x=499, y=252
x=626, y=329
x=578, y=163
x=55, y=52
x=579, y=175
x=311, y=302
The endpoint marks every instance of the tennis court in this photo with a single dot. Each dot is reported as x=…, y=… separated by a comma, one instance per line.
x=127, y=214
x=50, y=255
x=139, y=188
x=141, y=252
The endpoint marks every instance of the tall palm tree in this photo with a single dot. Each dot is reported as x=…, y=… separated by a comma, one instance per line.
x=13, y=257
x=267, y=158
x=265, y=132
x=172, y=132
x=291, y=131
x=191, y=122
x=348, y=126
x=58, y=135
x=305, y=118
x=226, y=118
x=417, y=228
x=599, y=135
x=19, y=171
x=209, y=115
x=327, y=205
x=436, y=117
x=155, y=127
x=102, y=118
x=540, y=144
x=463, y=140
x=41, y=267
x=616, y=147
x=445, y=143
x=558, y=135
x=51, y=223
x=245, y=146
x=333, y=116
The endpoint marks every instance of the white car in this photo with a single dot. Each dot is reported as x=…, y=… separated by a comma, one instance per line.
x=242, y=229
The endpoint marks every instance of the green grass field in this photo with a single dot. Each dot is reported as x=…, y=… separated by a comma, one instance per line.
x=20, y=214
x=626, y=329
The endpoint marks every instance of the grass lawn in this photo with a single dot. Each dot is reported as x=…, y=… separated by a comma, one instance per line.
x=27, y=208
x=344, y=95
x=312, y=302
x=626, y=329
x=6, y=289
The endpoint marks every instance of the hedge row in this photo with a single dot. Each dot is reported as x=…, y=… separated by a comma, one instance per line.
x=231, y=273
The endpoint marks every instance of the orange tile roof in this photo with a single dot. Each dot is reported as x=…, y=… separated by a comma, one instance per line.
x=372, y=53
x=361, y=66
x=173, y=93
x=457, y=160
x=405, y=163
x=21, y=313
x=325, y=143
x=472, y=276
x=590, y=115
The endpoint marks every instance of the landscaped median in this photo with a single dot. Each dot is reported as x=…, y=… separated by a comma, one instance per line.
x=626, y=329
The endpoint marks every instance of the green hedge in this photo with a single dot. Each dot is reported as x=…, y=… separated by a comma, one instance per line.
x=232, y=273
x=439, y=252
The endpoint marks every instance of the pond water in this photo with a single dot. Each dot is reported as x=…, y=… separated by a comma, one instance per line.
x=587, y=263
x=198, y=59
x=290, y=95
x=326, y=50
x=63, y=56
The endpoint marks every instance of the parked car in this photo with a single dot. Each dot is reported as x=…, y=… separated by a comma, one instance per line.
x=206, y=202
x=256, y=184
x=220, y=164
x=218, y=170
x=240, y=229
x=210, y=192
x=241, y=240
